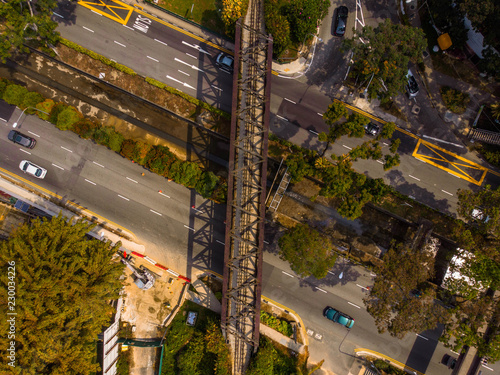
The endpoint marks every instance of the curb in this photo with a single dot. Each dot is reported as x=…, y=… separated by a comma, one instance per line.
x=361, y=351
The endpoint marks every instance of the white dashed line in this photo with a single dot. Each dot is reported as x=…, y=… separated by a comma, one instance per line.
x=185, y=226
x=222, y=243
x=320, y=114
x=194, y=57
x=156, y=213
x=380, y=162
x=90, y=182
x=386, y=144
x=67, y=149
x=36, y=135
x=4, y=120
x=159, y=41
x=267, y=243
x=361, y=286
x=489, y=368
x=188, y=64
x=128, y=27
x=194, y=208
x=331, y=273
x=352, y=304
x=291, y=101
x=29, y=153
x=86, y=28
x=57, y=14
x=55, y=165
x=165, y=195
x=321, y=290
x=217, y=88
x=120, y=44
x=100, y=165
x=196, y=47
x=453, y=175
x=372, y=275
x=418, y=179
x=349, y=148
x=180, y=71
x=128, y=178
x=122, y=197
x=444, y=191
x=420, y=160
x=152, y=58
x=93, y=11
x=312, y=131
x=422, y=337
x=281, y=117
x=286, y=273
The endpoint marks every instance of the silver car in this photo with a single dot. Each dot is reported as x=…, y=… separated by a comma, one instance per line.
x=32, y=169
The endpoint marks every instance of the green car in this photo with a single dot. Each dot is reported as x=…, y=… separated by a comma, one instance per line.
x=338, y=317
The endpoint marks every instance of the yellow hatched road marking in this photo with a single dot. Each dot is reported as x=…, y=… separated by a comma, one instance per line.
x=439, y=154
x=110, y=10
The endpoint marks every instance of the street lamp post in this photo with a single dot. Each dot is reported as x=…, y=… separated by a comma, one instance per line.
x=345, y=264
x=14, y=125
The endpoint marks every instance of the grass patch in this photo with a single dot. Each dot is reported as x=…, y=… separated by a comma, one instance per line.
x=387, y=368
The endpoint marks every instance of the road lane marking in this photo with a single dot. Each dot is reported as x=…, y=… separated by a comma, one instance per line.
x=29, y=153
x=320, y=114
x=4, y=120
x=222, y=243
x=159, y=41
x=194, y=57
x=422, y=337
x=286, y=273
x=217, y=88
x=444, y=191
x=281, y=117
x=182, y=83
x=152, y=58
x=185, y=226
x=312, y=131
x=67, y=149
x=156, y=212
x=489, y=368
x=165, y=195
x=194, y=208
x=418, y=179
x=188, y=64
x=120, y=44
x=291, y=101
x=331, y=273
x=362, y=287
x=266, y=242
x=128, y=27
x=387, y=144
x=440, y=140
x=57, y=14
x=196, y=47
x=86, y=28
x=100, y=165
x=180, y=71
x=90, y=182
x=36, y=135
x=321, y=290
x=350, y=303
x=128, y=178
x=55, y=165
x=349, y=148
x=122, y=197
x=380, y=162
x=93, y=11
x=454, y=175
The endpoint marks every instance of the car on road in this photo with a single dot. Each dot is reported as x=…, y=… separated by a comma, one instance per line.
x=32, y=169
x=225, y=62
x=338, y=317
x=372, y=129
x=21, y=139
x=412, y=85
x=340, y=21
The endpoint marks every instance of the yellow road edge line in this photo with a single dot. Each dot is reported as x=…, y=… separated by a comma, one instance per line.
x=76, y=205
x=388, y=358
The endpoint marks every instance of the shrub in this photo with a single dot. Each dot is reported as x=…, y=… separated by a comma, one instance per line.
x=140, y=152
x=128, y=147
x=454, y=100
x=3, y=85
x=31, y=99
x=185, y=172
x=101, y=135
x=14, y=94
x=207, y=184
x=54, y=113
x=45, y=106
x=115, y=141
x=67, y=117
x=280, y=325
x=159, y=159
x=85, y=128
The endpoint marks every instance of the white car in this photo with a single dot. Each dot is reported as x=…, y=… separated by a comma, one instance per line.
x=32, y=169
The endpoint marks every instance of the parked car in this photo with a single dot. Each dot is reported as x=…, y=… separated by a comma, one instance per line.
x=32, y=169
x=449, y=361
x=338, y=317
x=340, y=21
x=21, y=139
x=372, y=129
x=225, y=62
x=412, y=85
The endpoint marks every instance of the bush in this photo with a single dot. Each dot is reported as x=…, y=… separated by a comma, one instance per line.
x=54, y=113
x=14, y=94
x=67, y=118
x=128, y=147
x=140, y=152
x=159, y=159
x=45, y=107
x=115, y=141
x=3, y=85
x=207, y=184
x=31, y=99
x=454, y=100
x=85, y=128
x=186, y=173
x=101, y=135
x=280, y=325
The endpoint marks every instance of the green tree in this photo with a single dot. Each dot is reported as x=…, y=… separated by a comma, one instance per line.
x=14, y=94
x=481, y=207
x=308, y=252
x=277, y=25
x=448, y=18
x=67, y=118
x=304, y=15
x=391, y=301
x=385, y=55
x=26, y=22
x=63, y=284
x=477, y=11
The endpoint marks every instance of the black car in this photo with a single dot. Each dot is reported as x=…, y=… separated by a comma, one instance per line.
x=225, y=62
x=21, y=139
x=340, y=21
x=372, y=129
